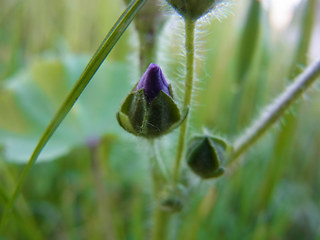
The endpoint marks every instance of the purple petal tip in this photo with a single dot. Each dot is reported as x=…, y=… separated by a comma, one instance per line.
x=153, y=81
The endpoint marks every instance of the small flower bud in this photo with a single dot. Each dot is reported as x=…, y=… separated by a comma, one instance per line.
x=205, y=155
x=192, y=9
x=171, y=199
x=149, y=110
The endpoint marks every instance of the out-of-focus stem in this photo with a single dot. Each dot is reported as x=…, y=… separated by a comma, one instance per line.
x=160, y=164
x=189, y=45
x=249, y=40
x=160, y=224
x=305, y=35
x=146, y=51
x=104, y=214
x=275, y=110
x=284, y=139
x=161, y=218
x=149, y=23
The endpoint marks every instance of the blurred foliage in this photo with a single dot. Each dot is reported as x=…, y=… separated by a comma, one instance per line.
x=100, y=173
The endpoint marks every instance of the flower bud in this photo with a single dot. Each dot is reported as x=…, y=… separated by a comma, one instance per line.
x=171, y=204
x=149, y=110
x=192, y=9
x=205, y=155
x=171, y=198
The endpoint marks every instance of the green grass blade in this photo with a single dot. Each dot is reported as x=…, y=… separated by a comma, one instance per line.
x=286, y=136
x=104, y=49
x=249, y=40
x=304, y=38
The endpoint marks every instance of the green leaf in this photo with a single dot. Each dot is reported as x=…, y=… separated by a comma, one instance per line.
x=32, y=100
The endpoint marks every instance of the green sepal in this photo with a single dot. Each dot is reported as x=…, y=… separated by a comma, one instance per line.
x=163, y=113
x=220, y=146
x=133, y=112
x=183, y=116
x=205, y=155
x=137, y=112
x=150, y=120
x=124, y=122
x=171, y=91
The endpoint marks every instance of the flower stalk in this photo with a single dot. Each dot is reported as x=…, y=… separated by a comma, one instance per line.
x=189, y=45
x=160, y=217
x=275, y=110
x=106, y=229
x=160, y=165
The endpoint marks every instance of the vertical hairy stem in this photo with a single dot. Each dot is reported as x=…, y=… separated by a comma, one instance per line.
x=189, y=45
x=274, y=111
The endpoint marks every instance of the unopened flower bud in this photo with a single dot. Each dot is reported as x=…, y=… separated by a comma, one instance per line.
x=192, y=9
x=171, y=199
x=205, y=155
x=149, y=110
x=171, y=204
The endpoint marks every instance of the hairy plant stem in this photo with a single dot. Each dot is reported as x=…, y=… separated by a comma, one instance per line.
x=275, y=110
x=282, y=150
x=104, y=49
x=189, y=45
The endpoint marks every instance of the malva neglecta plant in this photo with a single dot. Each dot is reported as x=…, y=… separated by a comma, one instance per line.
x=151, y=111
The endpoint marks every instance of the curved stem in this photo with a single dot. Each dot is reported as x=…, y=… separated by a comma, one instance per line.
x=189, y=45
x=275, y=110
x=106, y=46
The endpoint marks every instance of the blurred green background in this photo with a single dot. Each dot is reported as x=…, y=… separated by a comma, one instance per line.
x=93, y=181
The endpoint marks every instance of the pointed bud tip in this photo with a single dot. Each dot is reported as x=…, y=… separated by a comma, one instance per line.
x=153, y=67
x=153, y=81
x=205, y=156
